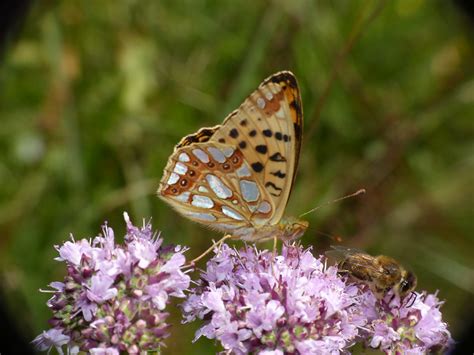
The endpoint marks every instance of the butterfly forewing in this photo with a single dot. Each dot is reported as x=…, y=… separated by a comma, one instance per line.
x=267, y=129
x=237, y=177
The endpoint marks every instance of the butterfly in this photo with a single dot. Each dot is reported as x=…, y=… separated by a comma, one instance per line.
x=237, y=177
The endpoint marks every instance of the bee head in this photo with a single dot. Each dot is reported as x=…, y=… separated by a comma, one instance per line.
x=407, y=284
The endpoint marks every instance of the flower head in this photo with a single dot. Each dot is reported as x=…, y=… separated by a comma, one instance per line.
x=292, y=303
x=254, y=302
x=398, y=328
x=114, y=297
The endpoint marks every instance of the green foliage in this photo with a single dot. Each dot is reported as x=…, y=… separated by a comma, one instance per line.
x=95, y=95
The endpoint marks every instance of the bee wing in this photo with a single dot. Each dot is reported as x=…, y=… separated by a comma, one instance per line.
x=358, y=258
x=365, y=264
x=340, y=252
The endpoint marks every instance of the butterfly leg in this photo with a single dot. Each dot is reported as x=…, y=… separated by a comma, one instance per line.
x=210, y=249
x=221, y=241
x=274, y=254
x=275, y=246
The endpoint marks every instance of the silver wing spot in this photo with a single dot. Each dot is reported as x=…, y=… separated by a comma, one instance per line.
x=219, y=188
x=216, y=154
x=204, y=216
x=264, y=207
x=249, y=190
x=184, y=157
x=184, y=197
x=202, y=189
x=173, y=179
x=228, y=151
x=243, y=171
x=201, y=155
x=202, y=201
x=180, y=168
x=229, y=212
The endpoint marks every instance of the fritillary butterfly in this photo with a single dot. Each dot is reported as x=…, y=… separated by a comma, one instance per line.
x=237, y=177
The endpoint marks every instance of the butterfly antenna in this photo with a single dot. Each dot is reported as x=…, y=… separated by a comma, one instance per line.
x=358, y=192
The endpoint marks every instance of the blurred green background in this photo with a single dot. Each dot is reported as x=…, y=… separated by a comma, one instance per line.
x=94, y=95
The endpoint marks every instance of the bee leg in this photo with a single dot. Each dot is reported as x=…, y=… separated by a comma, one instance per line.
x=217, y=244
x=411, y=299
x=384, y=292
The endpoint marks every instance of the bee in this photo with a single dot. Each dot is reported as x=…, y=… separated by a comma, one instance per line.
x=381, y=273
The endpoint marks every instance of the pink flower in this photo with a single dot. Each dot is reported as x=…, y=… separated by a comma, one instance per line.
x=50, y=338
x=100, y=289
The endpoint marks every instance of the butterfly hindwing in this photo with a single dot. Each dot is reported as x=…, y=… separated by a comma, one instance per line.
x=211, y=183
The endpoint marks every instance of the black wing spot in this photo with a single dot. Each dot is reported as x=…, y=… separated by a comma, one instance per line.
x=234, y=133
x=243, y=123
x=262, y=149
x=278, y=136
x=221, y=140
x=277, y=157
x=283, y=77
x=273, y=186
x=297, y=129
x=278, y=174
x=257, y=167
x=267, y=132
x=206, y=132
x=243, y=144
x=286, y=138
x=296, y=106
x=252, y=133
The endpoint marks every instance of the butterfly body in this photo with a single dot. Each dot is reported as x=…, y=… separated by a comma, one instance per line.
x=237, y=177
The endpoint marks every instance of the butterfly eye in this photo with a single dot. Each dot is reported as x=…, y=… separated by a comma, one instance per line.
x=191, y=173
x=235, y=159
x=183, y=182
x=225, y=166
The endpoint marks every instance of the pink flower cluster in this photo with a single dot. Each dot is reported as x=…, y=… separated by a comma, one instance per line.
x=295, y=304
x=113, y=298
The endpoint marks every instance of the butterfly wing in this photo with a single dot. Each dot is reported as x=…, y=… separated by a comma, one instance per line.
x=212, y=183
x=267, y=128
x=238, y=176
